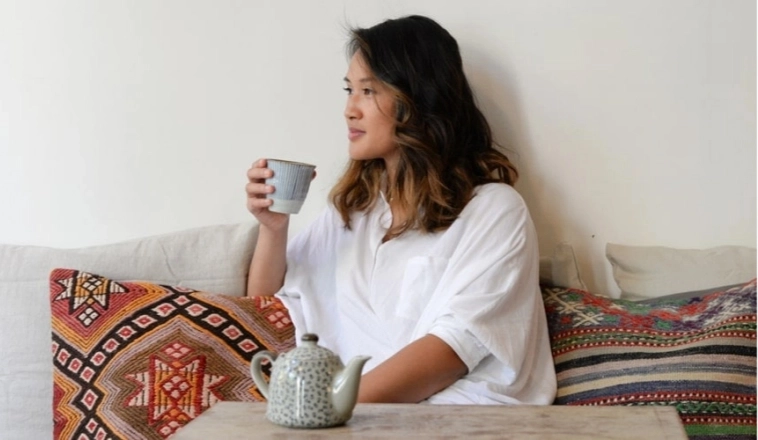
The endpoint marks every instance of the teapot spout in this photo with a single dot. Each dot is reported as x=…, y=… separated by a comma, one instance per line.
x=345, y=386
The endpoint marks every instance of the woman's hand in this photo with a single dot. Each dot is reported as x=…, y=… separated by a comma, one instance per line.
x=268, y=265
x=257, y=203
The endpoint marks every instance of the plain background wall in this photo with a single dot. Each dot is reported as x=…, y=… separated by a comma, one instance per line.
x=631, y=121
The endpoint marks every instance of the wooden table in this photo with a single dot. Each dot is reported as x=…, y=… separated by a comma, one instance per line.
x=245, y=420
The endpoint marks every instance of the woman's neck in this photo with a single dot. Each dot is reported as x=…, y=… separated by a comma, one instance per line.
x=390, y=166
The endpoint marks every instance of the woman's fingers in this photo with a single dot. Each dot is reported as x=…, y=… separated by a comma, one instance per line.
x=257, y=173
x=254, y=203
x=256, y=189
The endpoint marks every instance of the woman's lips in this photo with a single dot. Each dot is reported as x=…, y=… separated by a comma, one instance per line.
x=354, y=134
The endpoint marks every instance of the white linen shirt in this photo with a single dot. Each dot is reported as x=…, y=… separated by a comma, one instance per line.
x=473, y=285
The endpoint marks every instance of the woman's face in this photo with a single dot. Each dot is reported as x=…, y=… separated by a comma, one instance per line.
x=369, y=113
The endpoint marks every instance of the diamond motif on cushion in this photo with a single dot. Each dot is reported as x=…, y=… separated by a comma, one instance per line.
x=126, y=332
x=232, y=332
x=195, y=309
x=164, y=310
x=91, y=426
x=176, y=350
x=169, y=428
x=247, y=345
x=181, y=300
x=74, y=366
x=88, y=316
x=144, y=321
x=111, y=345
x=63, y=356
x=101, y=434
x=175, y=387
x=89, y=399
x=98, y=359
x=279, y=319
x=214, y=320
x=91, y=284
x=87, y=374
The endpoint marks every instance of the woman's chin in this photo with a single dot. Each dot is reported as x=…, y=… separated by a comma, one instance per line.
x=356, y=153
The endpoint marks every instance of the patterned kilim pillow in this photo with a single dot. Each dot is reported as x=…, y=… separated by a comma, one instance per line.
x=698, y=355
x=134, y=360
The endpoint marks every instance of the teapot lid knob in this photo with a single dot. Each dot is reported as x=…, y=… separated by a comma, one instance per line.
x=309, y=337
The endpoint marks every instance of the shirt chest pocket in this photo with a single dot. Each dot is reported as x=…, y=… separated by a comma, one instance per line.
x=420, y=280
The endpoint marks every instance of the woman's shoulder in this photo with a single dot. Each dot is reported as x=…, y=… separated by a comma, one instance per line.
x=496, y=189
x=497, y=194
x=495, y=202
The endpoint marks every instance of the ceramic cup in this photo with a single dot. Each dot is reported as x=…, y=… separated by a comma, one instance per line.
x=291, y=182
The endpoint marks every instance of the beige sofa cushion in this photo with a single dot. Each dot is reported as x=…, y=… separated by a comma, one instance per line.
x=643, y=272
x=561, y=269
x=213, y=259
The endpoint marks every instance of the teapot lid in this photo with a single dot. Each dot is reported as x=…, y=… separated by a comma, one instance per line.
x=309, y=337
x=310, y=350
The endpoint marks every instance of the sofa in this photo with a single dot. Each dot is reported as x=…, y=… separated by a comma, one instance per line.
x=135, y=339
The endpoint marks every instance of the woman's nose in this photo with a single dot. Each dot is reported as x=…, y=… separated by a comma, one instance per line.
x=351, y=110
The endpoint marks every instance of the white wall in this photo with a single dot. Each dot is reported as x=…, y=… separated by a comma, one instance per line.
x=631, y=121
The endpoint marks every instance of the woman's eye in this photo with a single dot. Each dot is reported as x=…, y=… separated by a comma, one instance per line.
x=368, y=92
x=348, y=90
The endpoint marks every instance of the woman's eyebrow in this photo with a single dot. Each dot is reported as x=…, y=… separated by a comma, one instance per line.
x=362, y=80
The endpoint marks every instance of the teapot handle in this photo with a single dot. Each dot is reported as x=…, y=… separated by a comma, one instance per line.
x=255, y=370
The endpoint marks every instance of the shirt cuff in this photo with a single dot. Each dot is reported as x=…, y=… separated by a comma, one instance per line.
x=463, y=342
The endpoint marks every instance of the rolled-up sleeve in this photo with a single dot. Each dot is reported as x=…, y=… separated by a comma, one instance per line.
x=463, y=342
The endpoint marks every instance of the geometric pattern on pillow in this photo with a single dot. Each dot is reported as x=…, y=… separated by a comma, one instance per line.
x=136, y=360
x=697, y=355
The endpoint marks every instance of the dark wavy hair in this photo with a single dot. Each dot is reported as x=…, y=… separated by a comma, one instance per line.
x=445, y=143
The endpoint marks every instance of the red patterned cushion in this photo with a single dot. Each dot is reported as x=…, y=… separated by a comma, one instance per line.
x=135, y=360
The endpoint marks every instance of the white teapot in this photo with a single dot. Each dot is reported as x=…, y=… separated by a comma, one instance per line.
x=309, y=386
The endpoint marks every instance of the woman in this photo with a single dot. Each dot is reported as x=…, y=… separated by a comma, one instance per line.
x=426, y=258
